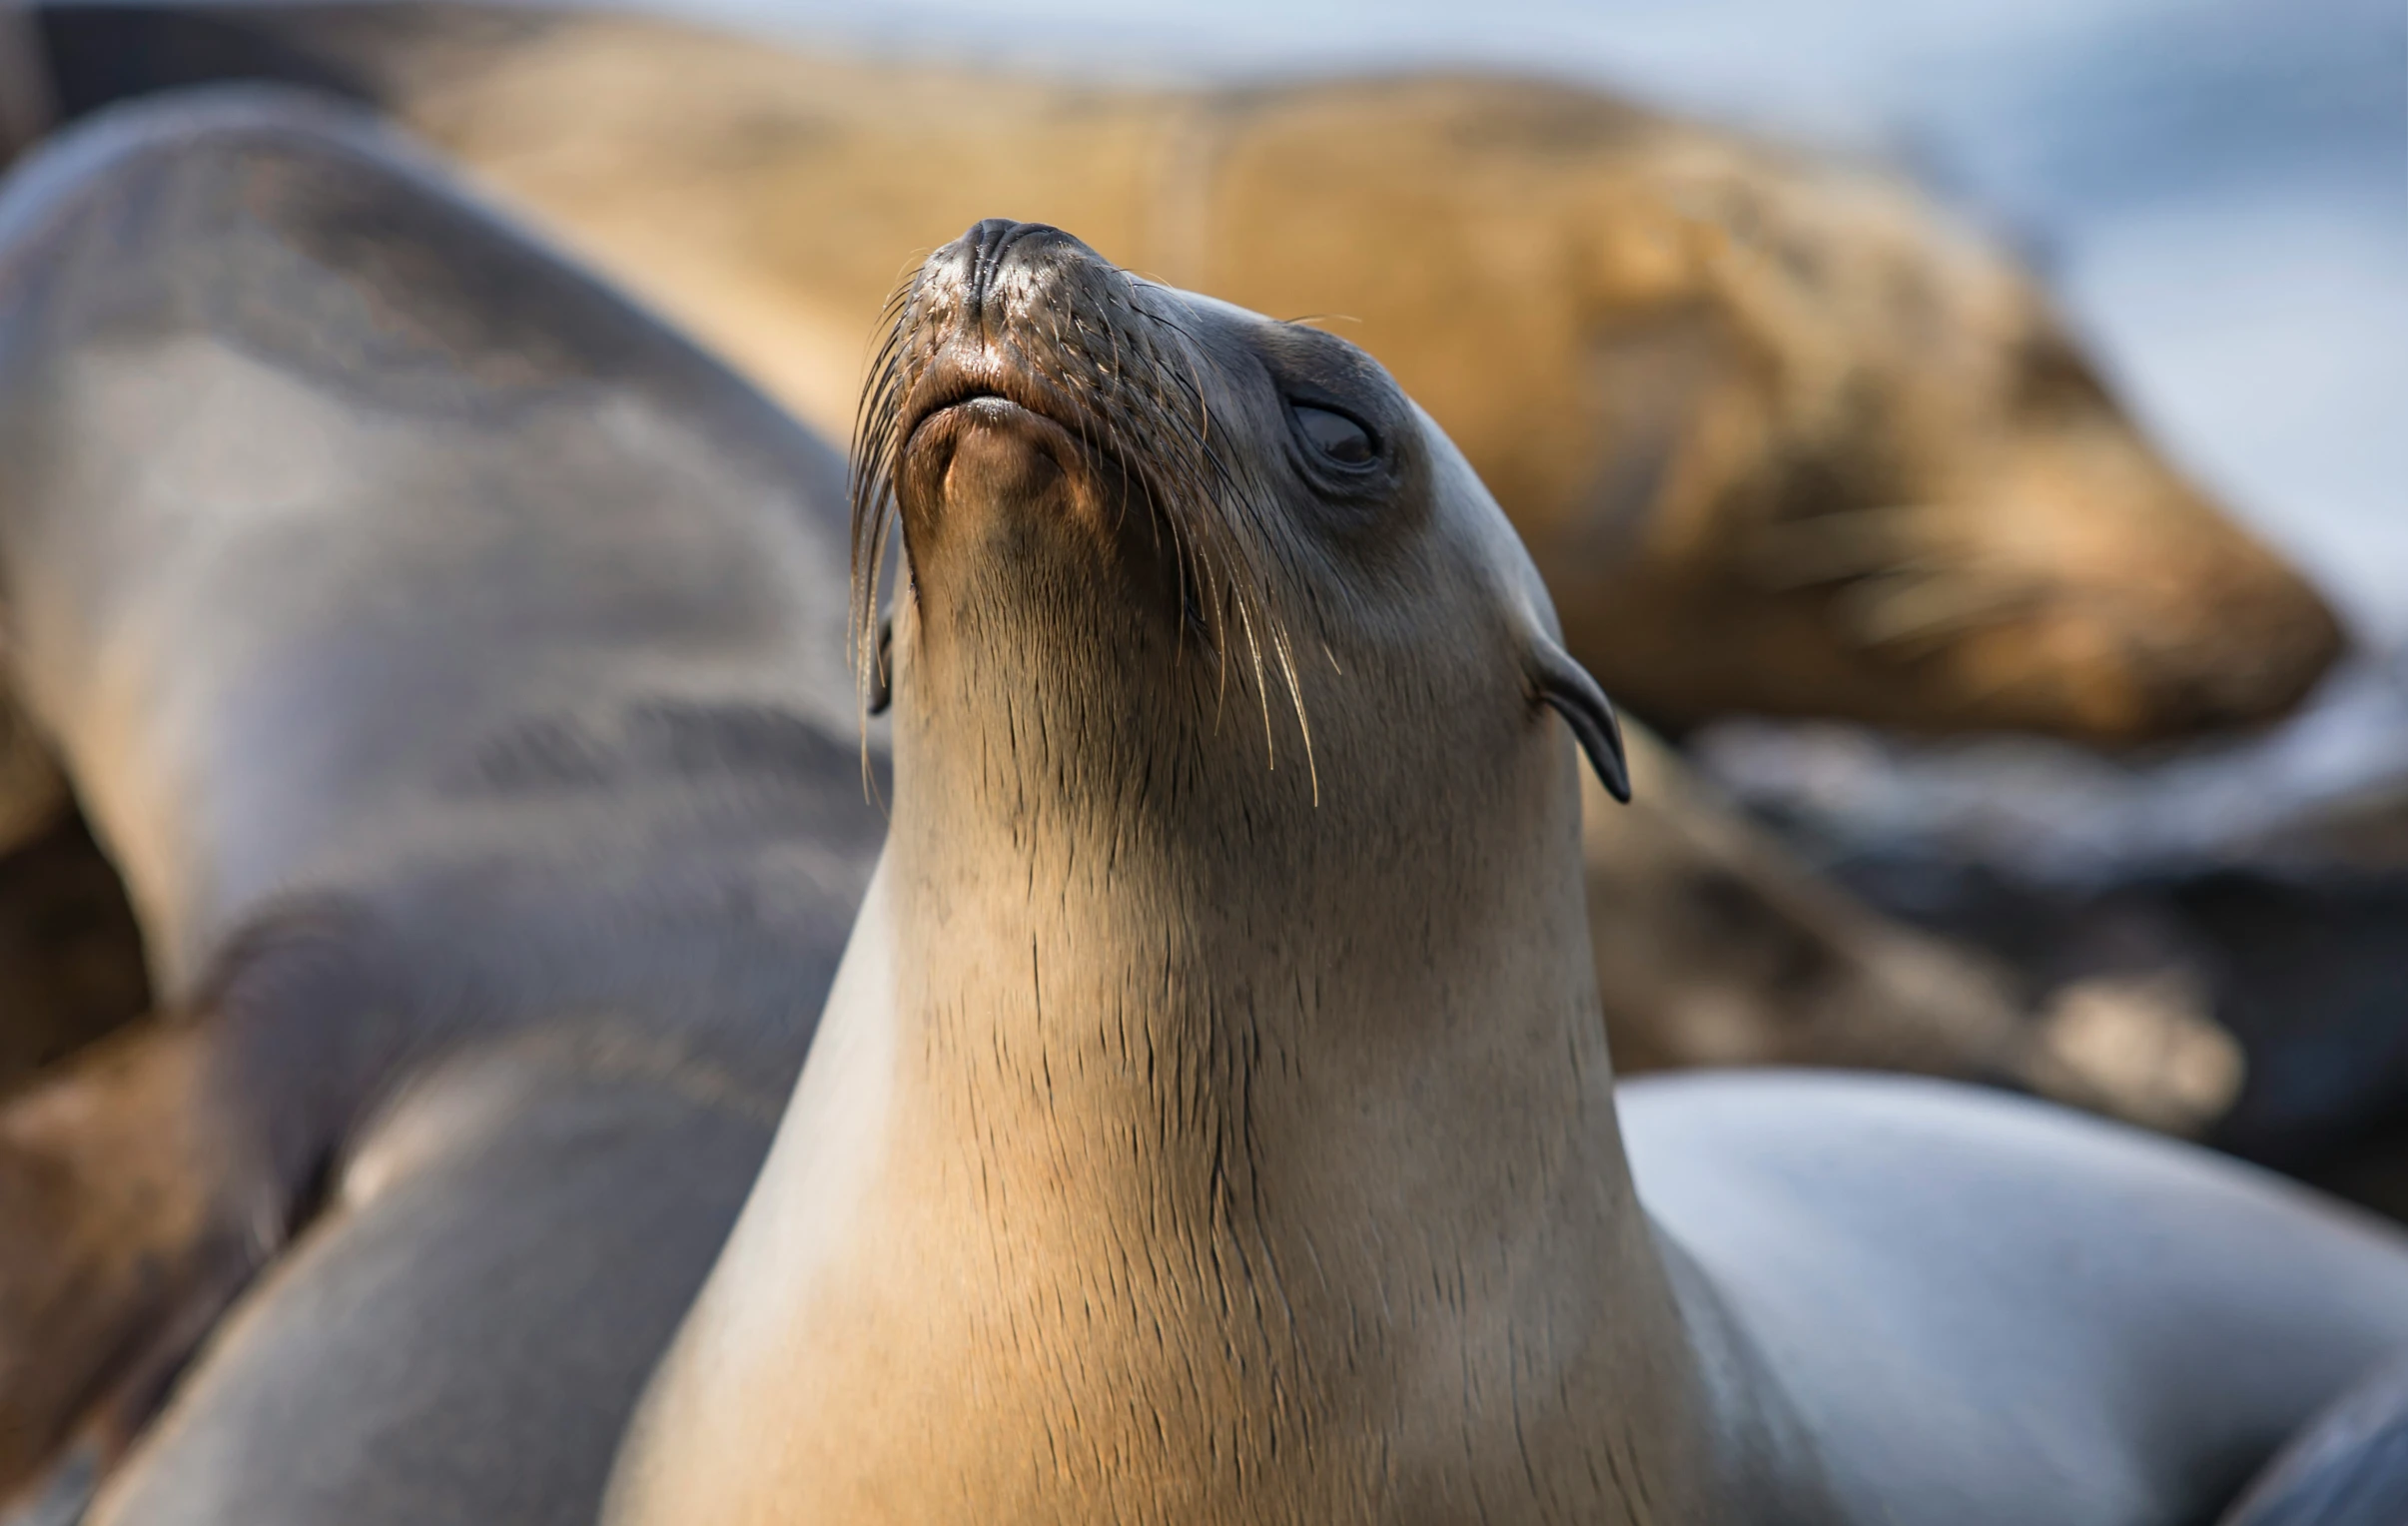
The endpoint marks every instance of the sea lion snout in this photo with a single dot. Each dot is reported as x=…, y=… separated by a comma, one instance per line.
x=989, y=407
x=985, y=287
x=979, y=254
x=1037, y=424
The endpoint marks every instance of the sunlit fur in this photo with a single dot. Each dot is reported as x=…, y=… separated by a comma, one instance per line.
x=1188, y=1139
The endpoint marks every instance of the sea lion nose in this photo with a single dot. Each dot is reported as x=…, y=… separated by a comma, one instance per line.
x=984, y=250
x=982, y=247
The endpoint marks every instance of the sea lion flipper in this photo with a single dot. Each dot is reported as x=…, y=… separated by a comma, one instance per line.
x=123, y=1234
x=1556, y=680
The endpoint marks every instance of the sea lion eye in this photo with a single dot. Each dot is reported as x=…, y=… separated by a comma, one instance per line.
x=1333, y=434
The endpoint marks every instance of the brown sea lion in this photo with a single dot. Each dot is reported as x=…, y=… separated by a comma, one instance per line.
x=1211, y=1121
x=452, y=659
x=1781, y=435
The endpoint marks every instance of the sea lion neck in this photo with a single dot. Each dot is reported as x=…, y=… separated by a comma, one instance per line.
x=1124, y=1186
x=1061, y=893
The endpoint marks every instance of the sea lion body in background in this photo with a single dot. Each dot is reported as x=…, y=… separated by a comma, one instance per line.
x=1212, y=1121
x=452, y=658
x=766, y=198
x=1781, y=435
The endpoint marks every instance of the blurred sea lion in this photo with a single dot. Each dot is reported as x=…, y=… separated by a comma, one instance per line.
x=1714, y=945
x=452, y=657
x=1782, y=436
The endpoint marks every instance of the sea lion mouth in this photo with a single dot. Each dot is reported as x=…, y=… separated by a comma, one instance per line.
x=985, y=389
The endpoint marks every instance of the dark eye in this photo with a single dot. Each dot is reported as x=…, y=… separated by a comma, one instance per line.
x=1335, y=436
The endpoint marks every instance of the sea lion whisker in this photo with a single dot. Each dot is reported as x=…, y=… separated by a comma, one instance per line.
x=1913, y=607
x=871, y=508
x=1831, y=547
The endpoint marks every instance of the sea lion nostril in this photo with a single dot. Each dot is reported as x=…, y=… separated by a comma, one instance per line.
x=987, y=243
x=984, y=243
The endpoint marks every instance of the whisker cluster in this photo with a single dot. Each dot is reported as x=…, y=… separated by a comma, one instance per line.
x=1125, y=378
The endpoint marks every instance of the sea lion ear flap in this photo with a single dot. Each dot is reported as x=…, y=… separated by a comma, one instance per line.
x=881, y=689
x=1556, y=680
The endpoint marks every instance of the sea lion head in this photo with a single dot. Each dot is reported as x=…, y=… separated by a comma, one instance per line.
x=1885, y=480
x=1153, y=538
x=1784, y=435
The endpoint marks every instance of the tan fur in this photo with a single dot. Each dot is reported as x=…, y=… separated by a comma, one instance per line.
x=1781, y=437
x=1172, y=1149
x=1625, y=267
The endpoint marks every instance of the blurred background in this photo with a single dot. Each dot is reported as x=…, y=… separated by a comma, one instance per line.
x=2216, y=192
x=1780, y=436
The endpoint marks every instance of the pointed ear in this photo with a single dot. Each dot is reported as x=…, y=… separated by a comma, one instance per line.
x=882, y=667
x=1555, y=680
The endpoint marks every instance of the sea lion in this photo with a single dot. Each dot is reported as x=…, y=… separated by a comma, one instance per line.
x=1782, y=436
x=1212, y=1120
x=452, y=657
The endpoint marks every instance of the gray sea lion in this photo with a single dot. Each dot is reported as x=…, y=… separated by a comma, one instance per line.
x=452, y=658
x=1212, y=1120
x=1781, y=435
